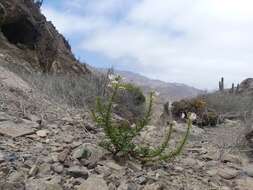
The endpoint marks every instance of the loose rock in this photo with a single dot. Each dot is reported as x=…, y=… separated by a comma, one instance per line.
x=77, y=171
x=94, y=183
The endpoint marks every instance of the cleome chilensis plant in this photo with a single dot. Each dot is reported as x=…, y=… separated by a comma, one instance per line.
x=119, y=136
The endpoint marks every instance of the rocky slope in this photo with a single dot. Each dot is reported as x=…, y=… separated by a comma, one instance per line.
x=26, y=34
x=48, y=146
x=45, y=146
x=246, y=86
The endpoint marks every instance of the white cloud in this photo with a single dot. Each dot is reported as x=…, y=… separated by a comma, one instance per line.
x=189, y=41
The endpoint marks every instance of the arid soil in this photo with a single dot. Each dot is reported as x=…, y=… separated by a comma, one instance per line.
x=45, y=146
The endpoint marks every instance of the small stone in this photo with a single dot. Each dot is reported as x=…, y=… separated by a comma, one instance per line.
x=92, y=165
x=141, y=180
x=152, y=187
x=42, y=133
x=2, y=158
x=134, y=166
x=41, y=184
x=63, y=155
x=4, y=117
x=58, y=168
x=81, y=152
x=35, y=118
x=190, y=162
x=34, y=170
x=76, y=144
x=103, y=170
x=249, y=170
x=225, y=188
x=232, y=159
x=12, y=186
x=132, y=186
x=244, y=184
x=94, y=183
x=112, y=165
x=45, y=169
x=112, y=187
x=77, y=171
x=212, y=172
x=228, y=173
x=68, y=139
x=179, y=169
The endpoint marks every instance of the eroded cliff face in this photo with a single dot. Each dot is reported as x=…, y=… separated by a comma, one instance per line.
x=27, y=34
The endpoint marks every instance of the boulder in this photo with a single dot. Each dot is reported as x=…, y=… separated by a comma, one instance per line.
x=246, y=85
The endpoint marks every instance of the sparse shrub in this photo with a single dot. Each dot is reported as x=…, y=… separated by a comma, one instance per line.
x=71, y=90
x=206, y=116
x=227, y=102
x=130, y=103
x=119, y=137
x=209, y=118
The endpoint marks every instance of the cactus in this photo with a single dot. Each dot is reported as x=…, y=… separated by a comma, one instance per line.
x=221, y=84
x=232, y=88
x=237, y=88
x=119, y=137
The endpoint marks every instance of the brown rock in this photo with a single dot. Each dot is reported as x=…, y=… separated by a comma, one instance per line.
x=9, y=128
x=63, y=155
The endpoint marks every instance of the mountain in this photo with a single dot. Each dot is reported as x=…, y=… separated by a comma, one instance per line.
x=168, y=91
x=27, y=36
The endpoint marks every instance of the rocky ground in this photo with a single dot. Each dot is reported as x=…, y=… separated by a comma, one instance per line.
x=44, y=146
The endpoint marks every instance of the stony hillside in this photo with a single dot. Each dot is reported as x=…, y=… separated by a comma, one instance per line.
x=46, y=146
x=246, y=86
x=49, y=140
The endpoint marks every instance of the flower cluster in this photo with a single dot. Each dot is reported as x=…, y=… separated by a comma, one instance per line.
x=191, y=116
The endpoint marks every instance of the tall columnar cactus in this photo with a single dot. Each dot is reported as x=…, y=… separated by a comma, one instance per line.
x=221, y=84
x=237, y=88
x=233, y=88
x=119, y=137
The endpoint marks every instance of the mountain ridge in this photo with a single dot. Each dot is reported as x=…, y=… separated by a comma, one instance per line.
x=168, y=91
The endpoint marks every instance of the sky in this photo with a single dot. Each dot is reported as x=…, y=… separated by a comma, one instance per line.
x=195, y=42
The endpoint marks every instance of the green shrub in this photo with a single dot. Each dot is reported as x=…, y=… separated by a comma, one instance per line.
x=119, y=137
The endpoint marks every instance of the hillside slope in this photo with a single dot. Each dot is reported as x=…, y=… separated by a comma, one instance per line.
x=168, y=91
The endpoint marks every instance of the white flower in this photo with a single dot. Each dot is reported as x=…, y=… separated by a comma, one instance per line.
x=157, y=93
x=174, y=123
x=111, y=77
x=192, y=116
x=122, y=88
x=182, y=115
x=115, y=82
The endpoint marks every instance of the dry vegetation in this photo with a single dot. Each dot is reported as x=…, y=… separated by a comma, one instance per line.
x=226, y=103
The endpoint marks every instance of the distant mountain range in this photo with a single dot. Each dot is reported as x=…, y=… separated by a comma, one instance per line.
x=168, y=91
